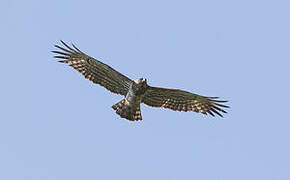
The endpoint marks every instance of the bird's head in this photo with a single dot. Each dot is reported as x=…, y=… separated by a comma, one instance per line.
x=141, y=85
x=141, y=81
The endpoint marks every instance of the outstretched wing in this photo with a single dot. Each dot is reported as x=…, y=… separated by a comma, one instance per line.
x=179, y=100
x=93, y=69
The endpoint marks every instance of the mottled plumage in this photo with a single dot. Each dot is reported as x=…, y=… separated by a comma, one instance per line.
x=137, y=91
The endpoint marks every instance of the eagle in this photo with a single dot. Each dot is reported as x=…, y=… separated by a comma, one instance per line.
x=136, y=91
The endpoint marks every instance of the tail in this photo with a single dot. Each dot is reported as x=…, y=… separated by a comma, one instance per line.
x=127, y=110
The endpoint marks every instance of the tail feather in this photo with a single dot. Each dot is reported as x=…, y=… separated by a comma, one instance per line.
x=127, y=110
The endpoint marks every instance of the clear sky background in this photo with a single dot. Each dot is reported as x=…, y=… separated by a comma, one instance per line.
x=57, y=125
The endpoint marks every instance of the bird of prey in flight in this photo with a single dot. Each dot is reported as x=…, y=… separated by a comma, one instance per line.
x=136, y=91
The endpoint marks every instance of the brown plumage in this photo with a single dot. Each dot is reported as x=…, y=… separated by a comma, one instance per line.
x=137, y=91
x=179, y=100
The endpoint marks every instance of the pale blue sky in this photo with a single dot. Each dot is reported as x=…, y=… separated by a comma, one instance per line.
x=57, y=125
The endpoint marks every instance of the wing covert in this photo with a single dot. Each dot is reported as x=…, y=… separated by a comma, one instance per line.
x=93, y=69
x=179, y=100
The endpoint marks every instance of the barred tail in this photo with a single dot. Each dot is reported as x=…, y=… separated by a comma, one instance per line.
x=127, y=110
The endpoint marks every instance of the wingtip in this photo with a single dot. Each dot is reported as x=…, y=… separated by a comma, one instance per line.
x=62, y=41
x=62, y=61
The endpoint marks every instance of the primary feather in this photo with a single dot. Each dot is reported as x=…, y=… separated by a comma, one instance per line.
x=137, y=91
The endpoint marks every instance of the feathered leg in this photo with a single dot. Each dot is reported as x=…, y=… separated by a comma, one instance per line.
x=128, y=110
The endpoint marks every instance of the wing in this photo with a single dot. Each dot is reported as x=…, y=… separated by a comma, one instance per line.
x=93, y=69
x=179, y=100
